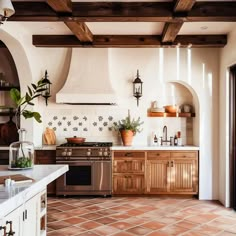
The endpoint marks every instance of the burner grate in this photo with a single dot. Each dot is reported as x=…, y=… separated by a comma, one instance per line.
x=87, y=144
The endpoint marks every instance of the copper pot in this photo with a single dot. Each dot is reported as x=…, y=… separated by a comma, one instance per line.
x=75, y=140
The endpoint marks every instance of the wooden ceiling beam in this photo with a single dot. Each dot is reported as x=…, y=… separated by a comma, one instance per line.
x=60, y=5
x=171, y=30
x=130, y=41
x=79, y=29
x=183, y=5
x=125, y=11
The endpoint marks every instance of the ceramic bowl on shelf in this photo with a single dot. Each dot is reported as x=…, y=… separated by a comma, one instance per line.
x=170, y=109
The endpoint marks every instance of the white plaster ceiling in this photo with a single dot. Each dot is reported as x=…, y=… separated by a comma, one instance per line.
x=127, y=28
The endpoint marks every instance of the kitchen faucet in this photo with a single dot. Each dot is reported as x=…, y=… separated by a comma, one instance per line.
x=164, y=139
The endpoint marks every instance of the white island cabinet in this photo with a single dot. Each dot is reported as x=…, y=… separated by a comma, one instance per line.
x=23, y=206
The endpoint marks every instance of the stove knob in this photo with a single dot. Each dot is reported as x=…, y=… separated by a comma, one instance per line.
x=64, y=152
x=100, y=152
x=89, y=152
x=105, y=153
x=69, y=153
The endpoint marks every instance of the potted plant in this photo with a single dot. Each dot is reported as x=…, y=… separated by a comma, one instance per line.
x=128, y=128
x=21, y=153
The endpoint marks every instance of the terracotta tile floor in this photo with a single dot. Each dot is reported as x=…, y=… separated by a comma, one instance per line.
x=129, y=216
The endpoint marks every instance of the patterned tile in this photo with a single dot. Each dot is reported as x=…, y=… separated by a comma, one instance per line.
x=133, y=216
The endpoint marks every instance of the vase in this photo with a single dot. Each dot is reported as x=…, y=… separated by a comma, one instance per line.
x=127, y=137
x=21, y=153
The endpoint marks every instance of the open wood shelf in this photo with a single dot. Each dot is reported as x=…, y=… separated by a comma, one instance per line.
x=8, y=88
x=7, y=113
x=165, y=114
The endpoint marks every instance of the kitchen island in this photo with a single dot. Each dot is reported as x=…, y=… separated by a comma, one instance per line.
x=23, y=205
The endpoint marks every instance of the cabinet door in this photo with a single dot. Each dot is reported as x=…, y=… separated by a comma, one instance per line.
x=128, y=184
x=184, y=172
x=157, y=175
x=30, y=216
x=13, y=222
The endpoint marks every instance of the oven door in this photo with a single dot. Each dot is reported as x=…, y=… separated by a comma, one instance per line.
x=78, y=178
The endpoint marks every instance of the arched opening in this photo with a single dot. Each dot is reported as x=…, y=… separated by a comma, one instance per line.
x=22, y=67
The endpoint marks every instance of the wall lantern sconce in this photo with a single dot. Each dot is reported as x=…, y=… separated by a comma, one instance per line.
x=6, y=10
x=46, y=93
x=137, y=88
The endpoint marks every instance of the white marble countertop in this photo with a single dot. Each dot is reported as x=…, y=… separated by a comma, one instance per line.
x=14, y=196
x=44, y=147
x=135, y=147
x=150, y=148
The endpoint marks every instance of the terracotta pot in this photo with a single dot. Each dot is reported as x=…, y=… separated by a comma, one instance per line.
x=127, y=137
x=75, y=140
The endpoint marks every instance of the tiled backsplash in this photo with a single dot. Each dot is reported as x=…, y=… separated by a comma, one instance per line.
x=96, y=125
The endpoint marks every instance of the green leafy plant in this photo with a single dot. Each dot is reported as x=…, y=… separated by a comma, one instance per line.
x=34, y=91
x=128, y=124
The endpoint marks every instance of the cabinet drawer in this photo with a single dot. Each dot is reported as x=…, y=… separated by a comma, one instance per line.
x=184, y=154
x=157, y=154
x=128, y=166
x=129, y=154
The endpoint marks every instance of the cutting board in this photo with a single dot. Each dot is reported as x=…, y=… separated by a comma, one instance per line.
x=49, y=137
x=18, y=178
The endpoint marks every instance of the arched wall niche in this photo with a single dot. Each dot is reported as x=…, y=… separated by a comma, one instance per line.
x=23, y=71
x=185, y=94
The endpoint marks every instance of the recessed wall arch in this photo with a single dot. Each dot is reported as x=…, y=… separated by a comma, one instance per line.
x=23, y=70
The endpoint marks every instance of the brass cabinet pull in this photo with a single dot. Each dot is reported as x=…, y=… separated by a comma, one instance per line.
x=168, y=164
x=158, y=154
x=172, y=163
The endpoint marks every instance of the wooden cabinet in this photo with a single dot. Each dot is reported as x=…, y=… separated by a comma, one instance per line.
x=128, y=172
x=172, y=172
x=184, y=172
x=47, y=157
x=157, y=172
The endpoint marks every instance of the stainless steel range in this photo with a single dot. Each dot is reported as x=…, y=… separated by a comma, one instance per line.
x=89, y=172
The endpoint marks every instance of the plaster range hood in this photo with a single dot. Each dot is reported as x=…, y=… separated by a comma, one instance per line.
x=88, y=81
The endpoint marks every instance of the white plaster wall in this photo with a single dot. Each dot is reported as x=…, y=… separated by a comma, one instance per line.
x=228, y=58
x=197, y=69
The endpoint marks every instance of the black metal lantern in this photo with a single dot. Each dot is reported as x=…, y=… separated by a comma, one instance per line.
x=47, y=84
x=137, y=88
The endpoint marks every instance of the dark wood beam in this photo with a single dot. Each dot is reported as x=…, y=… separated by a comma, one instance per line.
x=183, y=5
x=60, y=5
x=125, y=11
x=80, y=30
x=170, y=31
x=130, y=41
x=212, y=11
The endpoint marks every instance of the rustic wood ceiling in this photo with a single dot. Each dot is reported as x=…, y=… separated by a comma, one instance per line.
x=174, y=14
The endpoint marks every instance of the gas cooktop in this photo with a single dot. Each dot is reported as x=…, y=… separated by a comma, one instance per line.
x=87, y=144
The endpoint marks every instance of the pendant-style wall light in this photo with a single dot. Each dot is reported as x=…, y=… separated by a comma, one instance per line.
x=47, y=90
x=137, y=88
x=6, y=10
